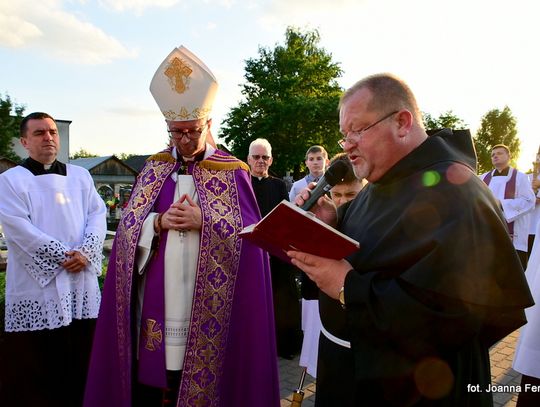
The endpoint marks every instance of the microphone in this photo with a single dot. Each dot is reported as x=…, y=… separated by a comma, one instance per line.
x=334, y=174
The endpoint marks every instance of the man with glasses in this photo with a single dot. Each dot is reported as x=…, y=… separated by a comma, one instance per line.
x=408, y=319
x=187, y=306
x=269, y=192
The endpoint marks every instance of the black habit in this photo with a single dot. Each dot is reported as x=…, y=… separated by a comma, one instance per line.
x=435, y=283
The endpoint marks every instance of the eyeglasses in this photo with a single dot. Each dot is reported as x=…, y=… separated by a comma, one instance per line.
x=355, y=135
x=257, y=156
x=192, y=134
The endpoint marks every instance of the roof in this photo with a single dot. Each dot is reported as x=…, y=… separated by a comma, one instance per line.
x=92, y=164
x=89, y=162
x=6, y=164
x=136, y=162
x=7, y=160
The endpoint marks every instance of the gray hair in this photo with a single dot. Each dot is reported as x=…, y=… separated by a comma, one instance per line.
x=263, y=143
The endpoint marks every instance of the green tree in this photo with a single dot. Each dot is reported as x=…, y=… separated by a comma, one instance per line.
x=82, y=153
x=497, y=127
x=124, y=156
x=445, y=120
x=11, y=115
x=291, y=96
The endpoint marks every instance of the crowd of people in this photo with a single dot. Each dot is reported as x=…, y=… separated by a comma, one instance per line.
x=191, y=314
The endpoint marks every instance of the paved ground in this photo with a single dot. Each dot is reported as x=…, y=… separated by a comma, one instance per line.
x=502, y=373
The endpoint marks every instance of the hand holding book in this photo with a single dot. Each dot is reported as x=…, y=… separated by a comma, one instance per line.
x=288, y=227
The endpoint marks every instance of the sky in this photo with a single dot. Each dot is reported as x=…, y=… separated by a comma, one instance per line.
x=91, y=62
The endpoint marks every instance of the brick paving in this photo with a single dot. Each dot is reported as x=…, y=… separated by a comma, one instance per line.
x=501, y=355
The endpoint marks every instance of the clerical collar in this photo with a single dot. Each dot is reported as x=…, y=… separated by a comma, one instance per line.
x=186, y=164
x=37, y=168
x=259, y=178
x=504, y=172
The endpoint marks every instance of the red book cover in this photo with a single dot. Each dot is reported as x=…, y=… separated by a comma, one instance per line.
x=288, y=227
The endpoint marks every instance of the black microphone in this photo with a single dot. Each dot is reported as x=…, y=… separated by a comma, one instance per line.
x=334, y=174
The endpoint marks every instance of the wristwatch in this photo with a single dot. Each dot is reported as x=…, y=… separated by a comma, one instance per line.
x=342, y=297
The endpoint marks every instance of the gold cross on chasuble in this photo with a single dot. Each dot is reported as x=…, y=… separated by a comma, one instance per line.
x=208, y=354
x=220, y=253
x=215, y=303
x=152, y=334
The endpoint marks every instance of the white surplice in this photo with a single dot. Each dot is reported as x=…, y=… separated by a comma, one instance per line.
x=527, y=356
x=515, y=209
x=43, y=217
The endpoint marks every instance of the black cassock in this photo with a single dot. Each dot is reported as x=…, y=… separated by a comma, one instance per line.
x=269, y=192
x=436, y=282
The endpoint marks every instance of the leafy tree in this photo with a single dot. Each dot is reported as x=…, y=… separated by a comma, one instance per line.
x=82, y=153
x=11, y=116
x=124, y=156
x=445, y=120
x=291, y=98
x=497, y=127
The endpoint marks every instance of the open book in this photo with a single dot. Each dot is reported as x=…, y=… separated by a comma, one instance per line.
x=288, y=227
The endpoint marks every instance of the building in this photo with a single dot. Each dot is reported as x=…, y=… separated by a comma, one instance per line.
x=136, y=162
x=113, y=180
x=6, y=164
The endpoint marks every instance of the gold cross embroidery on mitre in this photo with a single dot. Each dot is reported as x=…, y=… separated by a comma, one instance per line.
x=152, y=334
x=178, y=72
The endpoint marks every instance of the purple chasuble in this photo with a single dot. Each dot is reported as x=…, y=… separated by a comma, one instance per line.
x=230, y=358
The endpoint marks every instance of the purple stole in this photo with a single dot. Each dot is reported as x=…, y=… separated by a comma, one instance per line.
x=152, y=368
x=509, y=193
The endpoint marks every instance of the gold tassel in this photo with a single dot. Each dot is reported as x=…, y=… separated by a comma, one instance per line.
x=228, y=165
x=163, y=156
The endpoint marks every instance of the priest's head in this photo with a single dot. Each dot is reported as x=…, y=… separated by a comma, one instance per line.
x=500, y=157
x=184, y=89
x=260, y=157
x=381, y=123
x=39, y=136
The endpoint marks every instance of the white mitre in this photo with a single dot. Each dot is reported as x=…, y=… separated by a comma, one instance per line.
x=183, y=86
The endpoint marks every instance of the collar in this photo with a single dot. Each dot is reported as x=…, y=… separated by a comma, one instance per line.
x=504, y=172
x=187, y=163
x=310, y=178
x=37, y=168
x=208, y=151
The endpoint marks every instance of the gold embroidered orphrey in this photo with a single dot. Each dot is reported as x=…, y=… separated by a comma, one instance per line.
x=178, y=73
x=152, y=334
